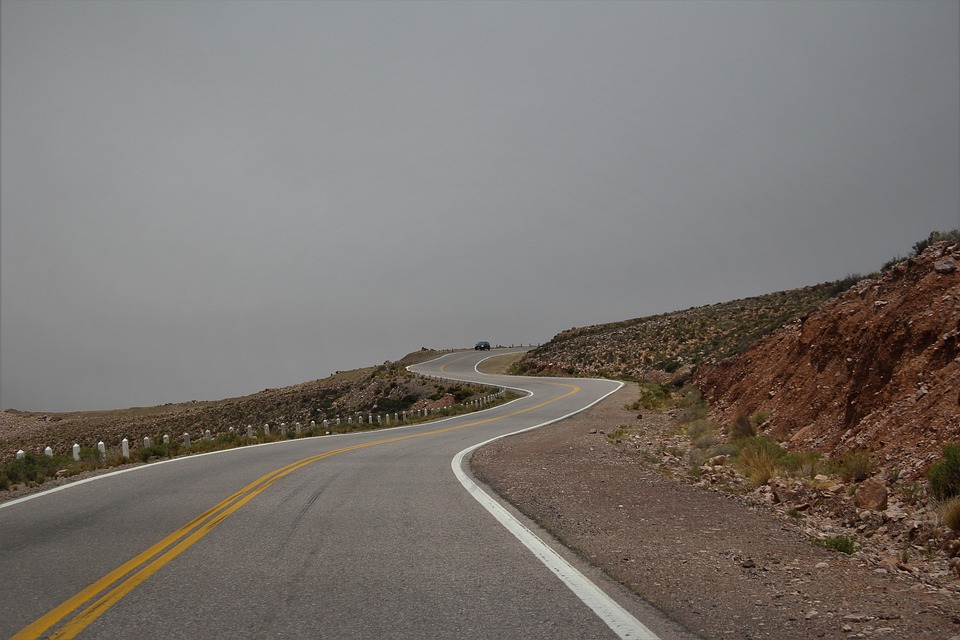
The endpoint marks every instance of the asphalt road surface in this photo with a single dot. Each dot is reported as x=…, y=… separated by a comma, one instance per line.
x=367, y=535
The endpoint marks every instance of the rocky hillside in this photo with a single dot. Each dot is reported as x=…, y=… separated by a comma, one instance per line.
x=875, y=369
x=854, y=365
x=667, y=347
x=385, y=388
x=861, y=388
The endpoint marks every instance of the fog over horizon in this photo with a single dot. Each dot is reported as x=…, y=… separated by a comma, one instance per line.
x=203, y=200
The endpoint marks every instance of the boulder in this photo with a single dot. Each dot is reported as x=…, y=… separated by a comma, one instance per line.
x=872, y=495
x=947, y=265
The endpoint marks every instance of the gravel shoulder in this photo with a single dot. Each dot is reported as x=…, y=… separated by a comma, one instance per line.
x=716, y=563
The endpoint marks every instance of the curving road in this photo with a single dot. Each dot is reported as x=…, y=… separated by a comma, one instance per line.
x=368, y=535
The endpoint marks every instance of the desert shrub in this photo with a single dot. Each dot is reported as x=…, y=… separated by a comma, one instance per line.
x=154, y=451
x=890, y=264
x=804, y=464
x=230, y=438
x=461, y=393
x=391, y=405
x=759, y=418
x=951, y=513
x=742, y=428
x=707, y=441
x=944, y=476
x=669, y=365
x=934, y=237
x=759, y=458
x=695, y=459
x=699, y=428
x=724, y=449
x=759, y=443
x=652, y=397
x=758, y=465
x=855, y=466
x=32, y=468
x=843, y=544
x=618, y=433
x=911, y=491
x=691, y=403
x=675, y=451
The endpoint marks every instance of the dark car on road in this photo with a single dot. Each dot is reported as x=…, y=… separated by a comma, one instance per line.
x=482, y=346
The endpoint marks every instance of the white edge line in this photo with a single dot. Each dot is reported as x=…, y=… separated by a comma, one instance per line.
x=193, y=456
x=620, y=621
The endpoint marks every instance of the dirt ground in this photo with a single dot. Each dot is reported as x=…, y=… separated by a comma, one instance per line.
x=716, y=563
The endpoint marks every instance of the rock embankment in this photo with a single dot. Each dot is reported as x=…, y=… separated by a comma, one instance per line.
x=875, y=369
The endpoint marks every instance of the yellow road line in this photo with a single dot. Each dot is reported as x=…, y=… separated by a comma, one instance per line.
x=183, y=538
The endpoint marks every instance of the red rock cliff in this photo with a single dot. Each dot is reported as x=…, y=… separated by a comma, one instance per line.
x=874, y=369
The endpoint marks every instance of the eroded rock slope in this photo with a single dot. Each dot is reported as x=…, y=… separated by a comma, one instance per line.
x=875, y=369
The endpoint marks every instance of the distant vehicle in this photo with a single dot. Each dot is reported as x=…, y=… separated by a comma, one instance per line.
x=482, y=346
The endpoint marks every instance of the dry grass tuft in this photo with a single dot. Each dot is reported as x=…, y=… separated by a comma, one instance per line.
x=950, y=512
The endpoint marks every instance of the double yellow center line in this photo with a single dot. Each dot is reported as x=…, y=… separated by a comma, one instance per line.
x=137, y=570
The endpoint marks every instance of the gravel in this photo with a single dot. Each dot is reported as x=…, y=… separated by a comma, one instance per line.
x=719, y=565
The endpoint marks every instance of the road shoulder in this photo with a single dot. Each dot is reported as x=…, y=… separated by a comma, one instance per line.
x=719, y=566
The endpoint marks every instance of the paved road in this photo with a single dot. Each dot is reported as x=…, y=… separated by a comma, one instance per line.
x=368, y=535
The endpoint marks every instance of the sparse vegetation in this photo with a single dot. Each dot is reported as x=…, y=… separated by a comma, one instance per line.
x=653, y=397
x=950, y=513
x=33, y=468
x=910, y=491
x=855, y=466
x=936, y=236
x=673, y=342
x=691, y=404
x=944, y=476
x=843, y=544
x=383, y=390
x=742, y=428
x=919, y=247
x=618, y=433
x=759, y=458
x=889, y=264
x=802, y=464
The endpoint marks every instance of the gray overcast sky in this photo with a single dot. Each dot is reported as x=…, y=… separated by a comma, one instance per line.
x=203, y=199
